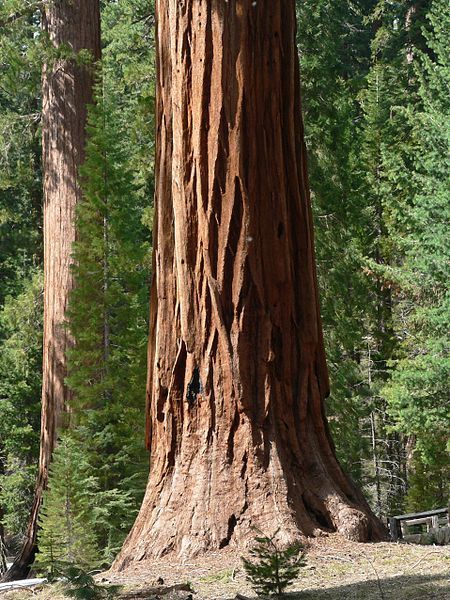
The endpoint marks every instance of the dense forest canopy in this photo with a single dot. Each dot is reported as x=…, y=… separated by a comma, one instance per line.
x=375, y=81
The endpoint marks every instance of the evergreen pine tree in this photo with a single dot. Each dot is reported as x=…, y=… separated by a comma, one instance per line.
x=20, y=258
x=107, y=317
x=418, y=390
x=109, y=397
x=20, y=372
x=385, y=188
x=67, y=534
x=334, y=43
x=20, y=184
x=275, y=568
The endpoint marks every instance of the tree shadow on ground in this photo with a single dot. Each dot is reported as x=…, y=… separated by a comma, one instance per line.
x=403, y=587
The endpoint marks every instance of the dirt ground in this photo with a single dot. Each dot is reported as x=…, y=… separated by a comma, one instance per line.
x=336, y=570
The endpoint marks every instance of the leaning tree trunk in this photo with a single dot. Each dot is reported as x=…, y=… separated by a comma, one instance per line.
x=2, y=529
x=2, y=555
x=67, y=89
x=237, y=372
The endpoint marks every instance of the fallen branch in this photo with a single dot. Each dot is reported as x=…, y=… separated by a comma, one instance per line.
x=380, y=588
x=423, y=558
x=157, y=591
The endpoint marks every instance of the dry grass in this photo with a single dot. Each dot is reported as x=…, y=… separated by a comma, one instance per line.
x=336, y=570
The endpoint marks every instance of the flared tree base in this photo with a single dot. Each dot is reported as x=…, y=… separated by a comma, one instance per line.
x=208, y=501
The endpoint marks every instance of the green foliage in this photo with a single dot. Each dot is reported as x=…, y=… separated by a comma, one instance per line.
x=375, y=96
x=81, y=585
x=67, y=520
x=20, y=255
x=275, y=568
x=20, y=393
x=429, y=482
x=108, y=308
x=128, y=29
x=16, y=493
x=406, y=143
x=334, y=43
x=20, y=360
x=108, y=318
x=20, y=185
x=384, y=475
x=418, y=391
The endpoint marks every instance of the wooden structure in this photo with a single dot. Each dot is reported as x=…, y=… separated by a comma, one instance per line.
x=431, y=518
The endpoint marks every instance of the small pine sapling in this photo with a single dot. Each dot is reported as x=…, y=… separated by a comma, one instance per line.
x=80, y=584
x=67, y=526
x=275, y=568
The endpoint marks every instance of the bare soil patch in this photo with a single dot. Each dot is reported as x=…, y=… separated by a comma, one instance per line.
x=336, y=569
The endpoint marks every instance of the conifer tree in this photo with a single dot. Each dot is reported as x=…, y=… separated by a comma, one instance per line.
x=109, y=306
x=20, y=257
x=404, y=175
x=386, y=470
x=237, y=370
x=20, y=185
x=66, y=535
x=116, y=455
x=72, y=31
x=20, y=381
x=334, y=44
x=384, y=131
x=417, y=392
x=107, y=318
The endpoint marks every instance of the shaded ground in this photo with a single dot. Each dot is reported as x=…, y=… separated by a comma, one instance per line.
x=336, y=570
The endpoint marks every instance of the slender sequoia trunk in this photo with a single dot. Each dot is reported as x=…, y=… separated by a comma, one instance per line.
x=237, y=372
x=66, y=92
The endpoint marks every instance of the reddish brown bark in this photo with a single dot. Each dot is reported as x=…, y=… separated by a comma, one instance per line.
x=66, y=92
x=237, y=372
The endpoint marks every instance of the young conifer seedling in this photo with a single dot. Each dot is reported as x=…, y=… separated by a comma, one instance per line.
x=275, y=568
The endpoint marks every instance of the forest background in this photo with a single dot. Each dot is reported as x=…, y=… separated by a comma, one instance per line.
x=375, y=83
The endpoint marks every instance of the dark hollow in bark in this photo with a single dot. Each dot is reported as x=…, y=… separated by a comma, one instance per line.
x=66, y=92
x=237, y=372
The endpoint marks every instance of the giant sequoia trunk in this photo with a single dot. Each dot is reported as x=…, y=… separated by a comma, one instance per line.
x=66, y=91
x=237, y=372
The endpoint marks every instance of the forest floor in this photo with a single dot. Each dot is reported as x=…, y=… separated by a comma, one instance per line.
x=336, y=570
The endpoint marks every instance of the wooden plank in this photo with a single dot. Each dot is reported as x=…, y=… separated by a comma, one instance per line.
x=428, y=513
x=409, y=522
